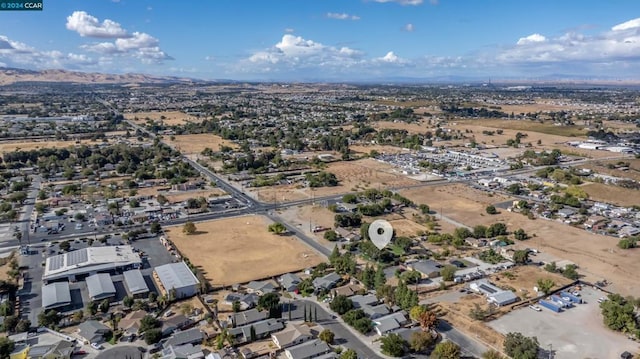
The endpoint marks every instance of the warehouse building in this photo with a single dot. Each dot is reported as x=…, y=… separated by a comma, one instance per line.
x=80, y=263
x=495, y=295
x=100, y=286
x=56, y=295
x=178, y=277
x=135, y=283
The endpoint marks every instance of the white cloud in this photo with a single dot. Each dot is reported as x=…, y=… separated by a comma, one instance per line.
x=289, y=30
x=342, y=16
x=138, y=45
x=403, y=2
x=531, y=38
x=631, y=24
x=409, y=27
x=620, y=44
x=17, y=54
x=391, y=58
x=89, y=26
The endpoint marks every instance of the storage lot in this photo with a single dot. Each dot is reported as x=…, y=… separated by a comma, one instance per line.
x=577, y=332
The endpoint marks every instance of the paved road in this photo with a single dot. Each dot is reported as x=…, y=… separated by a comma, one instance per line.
x=342, y=332
x=468, y=345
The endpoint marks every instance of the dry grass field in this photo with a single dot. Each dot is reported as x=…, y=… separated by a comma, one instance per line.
x=601, y=167
x=352, y=176
x=418, y=127
x=171, y=118
x=597, y=256
x=524, y=278
x=180, y=196
x=407, y=228
x=195, y=144
x=612, y=194
x=34, y=145
x=238, y=250
x=366, y=149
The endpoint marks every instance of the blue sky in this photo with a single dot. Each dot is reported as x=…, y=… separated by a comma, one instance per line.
x=328, y=39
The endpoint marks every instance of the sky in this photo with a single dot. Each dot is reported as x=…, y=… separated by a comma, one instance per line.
x=329, y=40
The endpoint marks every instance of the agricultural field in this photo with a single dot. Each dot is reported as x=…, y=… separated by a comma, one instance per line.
x=240, y=249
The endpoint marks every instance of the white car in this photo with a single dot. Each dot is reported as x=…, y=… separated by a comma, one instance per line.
x=96, y=346
x=535, y=307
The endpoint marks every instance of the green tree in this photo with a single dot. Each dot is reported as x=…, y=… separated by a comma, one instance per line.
x=236, y=306
x=49, y=318
x=393, y=345
x=545, y=285
x=367, y=277
x=152, y=336
x=128, y=301
x=421, y=341
x=446, y=350
x=104, y=306
x=277, y=228
x=271, y=302
x=341, y=304
x=65, y=246
x=492, y=354
x=331, y=236
x=148, y=322
x=6, y=347
x=155, y=227
x=520, y=234
x=521, y=256
x=411, y=277
x=189, y=228
x=570, y=272
x=448, y=272
x=380, y=277
x=349, y=354
x=518, y=346
x=491, y=209
x=326, y=336
x=23, y=325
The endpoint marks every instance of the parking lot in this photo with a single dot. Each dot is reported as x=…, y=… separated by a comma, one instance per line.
x=577, y=332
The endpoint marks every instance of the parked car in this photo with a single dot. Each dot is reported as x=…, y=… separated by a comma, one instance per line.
x=96, y=346
x=535, y=307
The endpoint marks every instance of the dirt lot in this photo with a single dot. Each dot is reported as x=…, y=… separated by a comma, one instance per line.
x=384, y=149
x=194, y=144
x=596, y=256
x=407, y=228
x=417, y=127
x=612, y=194
x=171, y=118
x=238, y=250
x=180, y=196
x=352, y=176
x=34, y=145
x=524, y=278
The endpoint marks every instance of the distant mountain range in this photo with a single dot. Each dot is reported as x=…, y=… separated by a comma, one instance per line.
x=14, y=75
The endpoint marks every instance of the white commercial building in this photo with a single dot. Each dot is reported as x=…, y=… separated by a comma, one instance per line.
x=91, y=260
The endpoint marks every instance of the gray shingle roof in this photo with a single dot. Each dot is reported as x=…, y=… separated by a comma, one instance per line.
x=309, y=349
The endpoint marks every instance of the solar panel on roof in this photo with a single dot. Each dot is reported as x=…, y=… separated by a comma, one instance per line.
x=56, y=262
x=77, y=257
x=487, y=289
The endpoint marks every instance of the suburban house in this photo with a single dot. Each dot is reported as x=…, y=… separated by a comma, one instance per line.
x=247, y=317
x=60, y=350
x=176, y=322
x=289, y=282
x=246, y=301
x=261, y=288
x=360, y=301
x=92, y=331
x=427, y=267
x=294, y=335
x=310, y=349
x=375, y=311
x=256, y=330
x=327, y=282
x=348, y=290
x=190, y=336
x=186, y=351
x=391, y=322
x=130, y=323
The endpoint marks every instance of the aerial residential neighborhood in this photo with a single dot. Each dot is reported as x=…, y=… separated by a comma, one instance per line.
x=312, y=200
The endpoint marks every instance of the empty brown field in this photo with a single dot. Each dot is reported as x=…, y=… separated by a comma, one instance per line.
x=524, y=278
x=352, y=176
x=238, y=250
x=418, y=127
x=195, y=144
x=612, y=194
x=34, y=145
x=179, y=196
x=380, y=148
x=407, y=228
x=601, y=167
x=171, y=118
x=597, y=256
